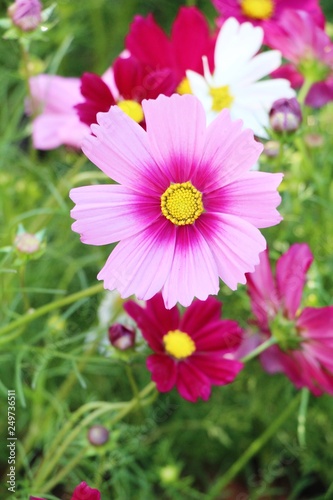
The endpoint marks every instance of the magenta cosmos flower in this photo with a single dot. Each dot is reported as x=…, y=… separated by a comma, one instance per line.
x=305, y=337
x=187, y=207
x=310, y=52
x=190, y=39
x=81, y=492
x=266, y=13
x=192, y=352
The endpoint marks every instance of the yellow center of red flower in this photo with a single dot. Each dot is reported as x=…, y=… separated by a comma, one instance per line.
x=184, y=87
x=133, y=109
x=178, y=344
x=258, y=9
x=182, y=203
x=221, y=98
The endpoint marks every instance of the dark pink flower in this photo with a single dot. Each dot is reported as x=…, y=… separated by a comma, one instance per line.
x=190, y=40
x=267, y=13
x=305, y=337
x=121, y=338
x=81, y=492
x=192, y=352
x=310, y=51
x=26, y=14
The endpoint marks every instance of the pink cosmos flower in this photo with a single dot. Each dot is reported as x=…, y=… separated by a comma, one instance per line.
x=81, y=492
x=190, y=40
x=187, y=207
x=192, y=352
x=56, y=121
x=305, y=337
x=267, y=13
x=310, y=51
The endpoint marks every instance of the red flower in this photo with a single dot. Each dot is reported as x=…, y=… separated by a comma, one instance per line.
x=192, y=352
x=81, y=492
x=305, y=338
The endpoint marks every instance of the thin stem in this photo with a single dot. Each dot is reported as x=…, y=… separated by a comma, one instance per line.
x=41, y=311
x=301, y=427
x=303, y=92
x=22, y=286
x=252, y=450
x=258, y=350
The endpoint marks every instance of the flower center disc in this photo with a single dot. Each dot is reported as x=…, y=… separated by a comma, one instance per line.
x=178, y=344
x=182, y=203
x=133, y=109
x=221, y=98
x=184, y=87
x=258, y=9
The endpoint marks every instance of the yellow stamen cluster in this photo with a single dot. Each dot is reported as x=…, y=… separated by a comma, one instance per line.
x=133, y=109
x=258, y=9
x=221, y=98
x=178, y=344
x=184, y=87
x=182, y=203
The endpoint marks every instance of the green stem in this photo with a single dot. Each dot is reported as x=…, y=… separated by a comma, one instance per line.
x=303, y=92
x=41, y=311
x=252, y=450
x=305, y=393
x=258, y=350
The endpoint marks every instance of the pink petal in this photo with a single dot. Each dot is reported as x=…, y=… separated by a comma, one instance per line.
x=49, y=131
x=120, y=150
x=291, y=271
x=317, y=323
x=141, y=264
x=154, y=320
x=163, y=371
x=193, y=271
x=84, y=492
x=254, y=198
x=176, y=128
x=55, y=94
x=199, y=313
x=235, y=244
x=262, y=291
x=108, y=213
x=191, y=382
x=229, y=153
x=219, y=370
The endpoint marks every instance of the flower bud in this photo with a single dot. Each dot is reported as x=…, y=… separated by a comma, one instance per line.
x=285, y=115
x=26, y=14
x=271, y=148
x=314, y=140
x=121, y=337
x=98, y=435
x=27, y=243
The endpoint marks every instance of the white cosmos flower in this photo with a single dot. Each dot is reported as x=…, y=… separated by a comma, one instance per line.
x=234, y=83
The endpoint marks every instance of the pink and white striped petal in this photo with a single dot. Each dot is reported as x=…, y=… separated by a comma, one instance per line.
x=176, y=128
x=119, y=147
x=109, y=213
x=253, y=198
x=193, y=272
x=141, y=264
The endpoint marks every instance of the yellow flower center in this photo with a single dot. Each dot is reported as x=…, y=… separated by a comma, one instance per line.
x=258, y=9
x=182, y=203
x=221, y=98
x=178, y=344
x=133, y=109
x=184, y=87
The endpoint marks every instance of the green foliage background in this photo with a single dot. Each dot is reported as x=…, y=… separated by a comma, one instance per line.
x=172, y=449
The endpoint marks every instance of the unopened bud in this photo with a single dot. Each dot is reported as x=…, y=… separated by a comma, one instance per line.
x=26, y=14
x=27, y=243
x=271, y=148
x=98, y=435
x=314, y=140
x=121, y=337
x=285, y=115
